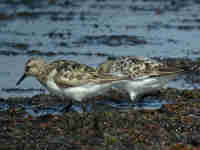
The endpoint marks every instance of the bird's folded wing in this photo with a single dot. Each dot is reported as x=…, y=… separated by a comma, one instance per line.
x=73, y=79
x=164, y=73
x=157, y=73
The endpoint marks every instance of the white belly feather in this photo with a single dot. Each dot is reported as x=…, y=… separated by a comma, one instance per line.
x=79, y=92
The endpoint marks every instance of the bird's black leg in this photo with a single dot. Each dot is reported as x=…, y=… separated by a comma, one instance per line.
x=84, y=106
x=94, y=106
x=84, y=114
x=69, y=105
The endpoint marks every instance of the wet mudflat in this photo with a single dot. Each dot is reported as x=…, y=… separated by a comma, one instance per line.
x=90, y=32
x=175, y=125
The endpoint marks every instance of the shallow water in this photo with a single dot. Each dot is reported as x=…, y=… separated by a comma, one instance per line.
x=148, y=103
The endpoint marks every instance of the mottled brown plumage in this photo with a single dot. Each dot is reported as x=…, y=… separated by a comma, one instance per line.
x=133, y=67
x=148, y=75
x=69, y=78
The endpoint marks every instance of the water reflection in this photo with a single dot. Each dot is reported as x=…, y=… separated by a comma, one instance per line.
x=4, y=106
x=148, y=103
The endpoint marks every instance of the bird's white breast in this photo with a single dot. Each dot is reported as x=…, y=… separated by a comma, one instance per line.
x=53, y=88
x=87, y=90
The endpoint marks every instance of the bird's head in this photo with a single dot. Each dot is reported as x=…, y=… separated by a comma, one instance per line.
x=33, y=67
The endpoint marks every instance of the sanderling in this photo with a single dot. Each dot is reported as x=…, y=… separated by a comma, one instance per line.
x=68, y=78
x=148, y=75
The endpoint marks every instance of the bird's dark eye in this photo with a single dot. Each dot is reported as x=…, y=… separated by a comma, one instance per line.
x=27, y=68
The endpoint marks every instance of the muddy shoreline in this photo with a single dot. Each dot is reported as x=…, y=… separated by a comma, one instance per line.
x=174, y=126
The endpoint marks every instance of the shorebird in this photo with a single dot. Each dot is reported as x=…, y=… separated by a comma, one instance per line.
x=147, y=75
x=68, y=78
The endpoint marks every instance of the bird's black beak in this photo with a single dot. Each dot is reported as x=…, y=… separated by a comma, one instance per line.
x=21, y=79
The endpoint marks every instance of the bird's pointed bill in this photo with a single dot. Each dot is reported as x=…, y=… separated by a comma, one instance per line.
x=21, y=79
